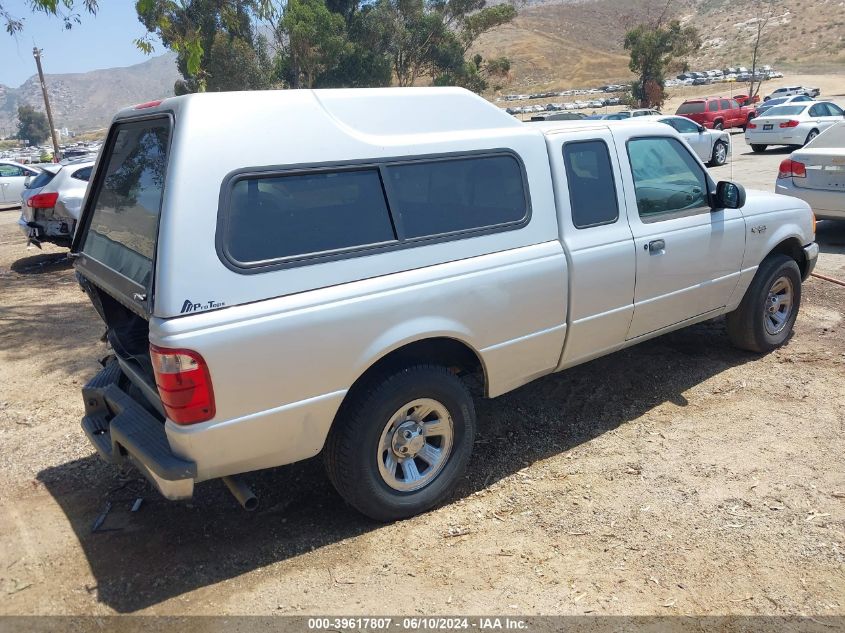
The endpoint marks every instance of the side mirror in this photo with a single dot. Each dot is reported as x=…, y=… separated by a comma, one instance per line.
x=701, y=129
x=729, y=195
x=27, y=182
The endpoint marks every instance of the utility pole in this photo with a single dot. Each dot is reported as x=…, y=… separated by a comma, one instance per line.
x=36, y=52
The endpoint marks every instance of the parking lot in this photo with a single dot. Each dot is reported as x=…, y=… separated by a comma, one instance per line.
x=678, y=477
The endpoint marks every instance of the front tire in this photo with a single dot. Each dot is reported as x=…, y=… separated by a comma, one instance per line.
x=720, y=154
x=399, y=445
x=758, y=149
x=765, y=317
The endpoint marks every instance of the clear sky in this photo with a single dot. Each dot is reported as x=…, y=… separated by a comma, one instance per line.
x=104, y=40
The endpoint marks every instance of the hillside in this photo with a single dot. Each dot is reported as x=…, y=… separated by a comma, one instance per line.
x=579, y=43
x=84, y=101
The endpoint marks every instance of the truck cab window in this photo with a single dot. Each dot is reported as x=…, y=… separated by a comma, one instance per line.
x=592, y=195
x=667, y=178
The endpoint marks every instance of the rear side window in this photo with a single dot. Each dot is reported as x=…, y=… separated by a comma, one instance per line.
x=445, y=196
x=304, y=214
x=82, y=174
x=786, y=110
x=123, y=224
x=41, y=179
x=592, y=194
x=725, y=104
x=713, y=106
x=834, y=110
x=10, y=171
x=691, y=107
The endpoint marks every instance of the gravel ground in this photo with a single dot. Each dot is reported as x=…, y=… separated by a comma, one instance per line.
x=678, y=477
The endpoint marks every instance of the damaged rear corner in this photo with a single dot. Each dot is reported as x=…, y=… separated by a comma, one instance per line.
x=121, y=430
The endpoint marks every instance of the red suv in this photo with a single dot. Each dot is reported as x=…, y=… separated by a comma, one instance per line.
x=718, y=113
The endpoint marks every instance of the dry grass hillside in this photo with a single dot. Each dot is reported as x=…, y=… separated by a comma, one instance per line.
x=573, y=44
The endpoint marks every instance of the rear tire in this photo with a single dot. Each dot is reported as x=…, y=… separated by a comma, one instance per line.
x=388, y=458
x=767, y=313
x=758, y=149
x=718, y=126
x=813, y=134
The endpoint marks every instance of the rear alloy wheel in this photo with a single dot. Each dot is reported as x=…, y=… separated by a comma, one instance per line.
x=718, y=126
x=813, y=134
x=720, y=154
x=399, y=446
x=758, y=149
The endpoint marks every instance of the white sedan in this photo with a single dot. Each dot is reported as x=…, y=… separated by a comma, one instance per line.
x=712, y=146
x=792, y=124
x=13, y=177
x=816, y=174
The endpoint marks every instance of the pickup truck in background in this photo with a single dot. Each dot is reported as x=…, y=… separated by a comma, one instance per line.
x=717, y=113
x=340, y=284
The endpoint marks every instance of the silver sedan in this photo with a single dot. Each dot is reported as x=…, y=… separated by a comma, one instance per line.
x=712, y=146
x=816, y=174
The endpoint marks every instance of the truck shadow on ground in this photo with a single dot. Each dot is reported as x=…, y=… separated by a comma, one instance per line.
x=169, y=548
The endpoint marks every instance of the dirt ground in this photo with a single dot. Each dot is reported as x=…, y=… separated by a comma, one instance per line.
x=678, y=477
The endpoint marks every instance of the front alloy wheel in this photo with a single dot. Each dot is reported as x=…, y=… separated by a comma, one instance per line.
x=765, y=316
x=777, y=308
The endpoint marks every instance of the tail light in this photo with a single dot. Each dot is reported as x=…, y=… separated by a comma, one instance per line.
x=184, y=384
x=148, y=104
x=792, y=169
x=790, y=123
x=751, y=126
x=43, y=201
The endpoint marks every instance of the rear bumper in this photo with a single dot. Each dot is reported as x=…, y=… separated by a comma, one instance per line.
x=57, y=231
x=826, y=204
x=122, y=430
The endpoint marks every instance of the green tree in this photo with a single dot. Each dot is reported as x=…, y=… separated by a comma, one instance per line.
x=314, y=41
x=432, y=38
x=656, y=48
x=65, y=10
x=215, y=41
x=32, y=125
x=364, y=61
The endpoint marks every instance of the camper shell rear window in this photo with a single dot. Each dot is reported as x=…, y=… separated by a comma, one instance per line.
x=118, y=238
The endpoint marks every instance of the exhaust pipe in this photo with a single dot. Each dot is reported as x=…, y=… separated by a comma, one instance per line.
x=243, y=493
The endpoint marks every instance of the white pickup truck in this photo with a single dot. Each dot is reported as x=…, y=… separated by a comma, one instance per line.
x=286, y=273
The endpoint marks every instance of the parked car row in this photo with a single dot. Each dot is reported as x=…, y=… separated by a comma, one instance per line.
x=732, y=73
x=557, y=107
x=568, y=93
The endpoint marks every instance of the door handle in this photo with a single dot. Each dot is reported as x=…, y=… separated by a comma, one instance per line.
x=656, y=247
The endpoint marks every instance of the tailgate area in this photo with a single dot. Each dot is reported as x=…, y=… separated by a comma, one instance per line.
x=122, y=429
